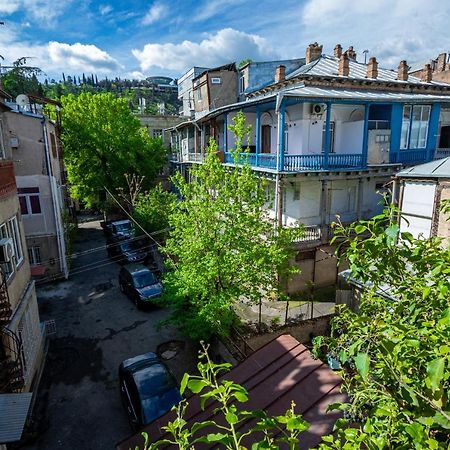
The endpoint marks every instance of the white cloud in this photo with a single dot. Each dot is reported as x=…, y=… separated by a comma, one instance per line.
x=156, y=12
x=392, y=31
x=105, y=9
x=9, y=6
x=83, y=57
x=225, y=46
x=212, y=7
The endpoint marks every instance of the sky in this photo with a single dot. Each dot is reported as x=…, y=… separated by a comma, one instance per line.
x=137, y=38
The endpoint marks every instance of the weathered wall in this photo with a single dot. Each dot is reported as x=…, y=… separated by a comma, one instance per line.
x=443, y=222
x=303, y=331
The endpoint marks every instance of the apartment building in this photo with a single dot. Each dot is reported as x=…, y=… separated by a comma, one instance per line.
x=21, y=333
x=33, y=141
x=329, y=137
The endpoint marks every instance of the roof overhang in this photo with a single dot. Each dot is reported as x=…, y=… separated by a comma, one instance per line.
x=14, y=409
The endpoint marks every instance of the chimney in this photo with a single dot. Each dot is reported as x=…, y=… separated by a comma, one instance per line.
x=280, y=74
x=344, y=68
x=338, y=50
x=402, y=73
x=441, y=62
x=313, y=52
x=427, y=74
x=351, y=53
x=372, y=68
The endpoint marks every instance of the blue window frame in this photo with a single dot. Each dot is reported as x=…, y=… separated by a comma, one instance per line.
x=415, y=123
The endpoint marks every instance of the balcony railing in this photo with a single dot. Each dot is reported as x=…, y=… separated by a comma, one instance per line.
x=7, y=179
x=442, y=153
x=299, y=163
x=311, y=233
x=409, y=156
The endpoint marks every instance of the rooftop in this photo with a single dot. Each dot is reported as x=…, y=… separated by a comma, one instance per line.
x=439, y=168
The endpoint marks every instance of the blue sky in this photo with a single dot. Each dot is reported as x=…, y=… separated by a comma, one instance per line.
x=137, y=38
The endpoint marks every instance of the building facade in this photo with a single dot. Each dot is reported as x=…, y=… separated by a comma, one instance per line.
x=329, y=137
x=22, y=336
x=33, y=141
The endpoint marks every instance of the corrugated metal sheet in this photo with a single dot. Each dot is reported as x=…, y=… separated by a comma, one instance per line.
x=328, y=66
x=355, y=94
x=14, y=411
x=434, y=169
x=279, y=372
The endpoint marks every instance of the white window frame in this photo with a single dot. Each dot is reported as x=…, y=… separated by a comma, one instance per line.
x=216, y=80
x=408, y=124
x=241, y=82
x=10, y=229
x=34, y=255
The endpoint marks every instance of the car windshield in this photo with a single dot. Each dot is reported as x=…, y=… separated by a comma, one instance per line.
x=129, y=246
x=143, y=279
x=153, y=380
x=122, y=227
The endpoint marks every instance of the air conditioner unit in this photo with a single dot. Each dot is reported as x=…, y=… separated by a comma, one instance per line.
x=317, y=108
x=6, y=250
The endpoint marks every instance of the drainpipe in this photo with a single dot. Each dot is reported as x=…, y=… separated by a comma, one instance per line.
x=56, y=207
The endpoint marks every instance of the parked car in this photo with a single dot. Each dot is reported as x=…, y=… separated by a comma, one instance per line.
x=140, y=284
x=148, y=389
x=129, y=251
x=117, y=229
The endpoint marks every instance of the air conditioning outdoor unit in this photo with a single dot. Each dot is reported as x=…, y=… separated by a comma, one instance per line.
x=317, y=108
x=6, y=250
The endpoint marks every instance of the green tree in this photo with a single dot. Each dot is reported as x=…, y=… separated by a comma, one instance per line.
x=395, y=352
x=226, y=248
x=153, y=208
x=103, y=141
x=22, y=79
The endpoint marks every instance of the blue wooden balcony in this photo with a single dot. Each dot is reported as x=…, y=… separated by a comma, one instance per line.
x=300, y=163
x=410, y=156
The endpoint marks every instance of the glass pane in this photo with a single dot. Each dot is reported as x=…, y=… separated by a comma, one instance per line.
x=23, y=205
x=414, y=141
x=35, y=204
x=407, y=112
x=426, y=113
x=417, y=113
x=404, y=135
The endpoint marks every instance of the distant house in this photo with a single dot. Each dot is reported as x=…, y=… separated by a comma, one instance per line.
x=437, y=69
x=422, y=190
x=278, y=373
x=186, y=91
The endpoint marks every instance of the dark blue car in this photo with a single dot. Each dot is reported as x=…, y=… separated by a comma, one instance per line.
x=148, y=389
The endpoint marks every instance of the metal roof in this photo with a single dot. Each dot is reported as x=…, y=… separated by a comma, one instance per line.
x=440, y=168
x=276, y=374
x=328, y=66
x=361, y=94
x=14, y=411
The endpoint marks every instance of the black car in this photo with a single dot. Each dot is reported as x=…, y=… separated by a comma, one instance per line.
x=140, y=284
x=129, y=251
x=118, y=229
x=148, y=389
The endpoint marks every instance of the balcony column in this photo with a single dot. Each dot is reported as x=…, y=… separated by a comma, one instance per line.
x=258, y=136
x=365, y=145
x=225, y=132
x=281, y=137
x=396, y=131
x=327, y=141
x=433, y=130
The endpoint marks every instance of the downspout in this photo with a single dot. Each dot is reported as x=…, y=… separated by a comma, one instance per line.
x=56, y=207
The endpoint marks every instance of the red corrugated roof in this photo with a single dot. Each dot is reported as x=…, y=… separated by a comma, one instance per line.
x=279, y=372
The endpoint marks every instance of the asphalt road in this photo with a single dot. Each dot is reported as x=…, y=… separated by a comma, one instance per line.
x=97, y=327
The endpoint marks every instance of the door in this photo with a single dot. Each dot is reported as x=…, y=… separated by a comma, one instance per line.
x=265, y=135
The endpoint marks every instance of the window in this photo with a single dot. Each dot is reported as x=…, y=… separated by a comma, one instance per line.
x=10, y=229
x=157, y=132
x=332, y=126
x=29, y=201
x=216, y=80
x=382, y=138
x=241, y=82
x=34, y=255
x=198, y=93
x=415, y=126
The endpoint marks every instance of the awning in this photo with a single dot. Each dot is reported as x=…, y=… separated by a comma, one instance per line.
x=14, y=411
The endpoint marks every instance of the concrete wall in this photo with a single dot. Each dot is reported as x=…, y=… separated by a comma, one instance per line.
x=443, y=220
x=151, y=123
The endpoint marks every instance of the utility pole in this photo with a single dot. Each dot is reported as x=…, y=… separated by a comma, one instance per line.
x=365, y=56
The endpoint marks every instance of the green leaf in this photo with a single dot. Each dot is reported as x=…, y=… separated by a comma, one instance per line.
x=184, y=383
x=231, y=418
x=391, y=234
x=241, y=397
x=435, y=371
x=362, y=362
x=416, y=431
x=360, y=229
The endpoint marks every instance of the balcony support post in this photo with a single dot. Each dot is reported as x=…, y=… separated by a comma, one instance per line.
x=225, y=132
x=327, y=141
x=365, y=145
x=281, y=137
x=433, y=131
x=258, y=136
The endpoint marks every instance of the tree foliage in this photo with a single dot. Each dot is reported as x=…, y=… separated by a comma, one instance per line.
x=225, y=246
x=394, y=352
x=22, y=79
x=102, y=142
x=233, y=427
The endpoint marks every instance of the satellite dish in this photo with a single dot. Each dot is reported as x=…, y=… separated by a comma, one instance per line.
x=22, y=100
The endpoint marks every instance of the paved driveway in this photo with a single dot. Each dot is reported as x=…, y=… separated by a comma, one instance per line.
x=78, y=405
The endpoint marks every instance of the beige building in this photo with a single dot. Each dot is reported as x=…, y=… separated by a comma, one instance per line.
x=156, y=125
x=34, y=144
x=21, y=333
x=437, y=69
